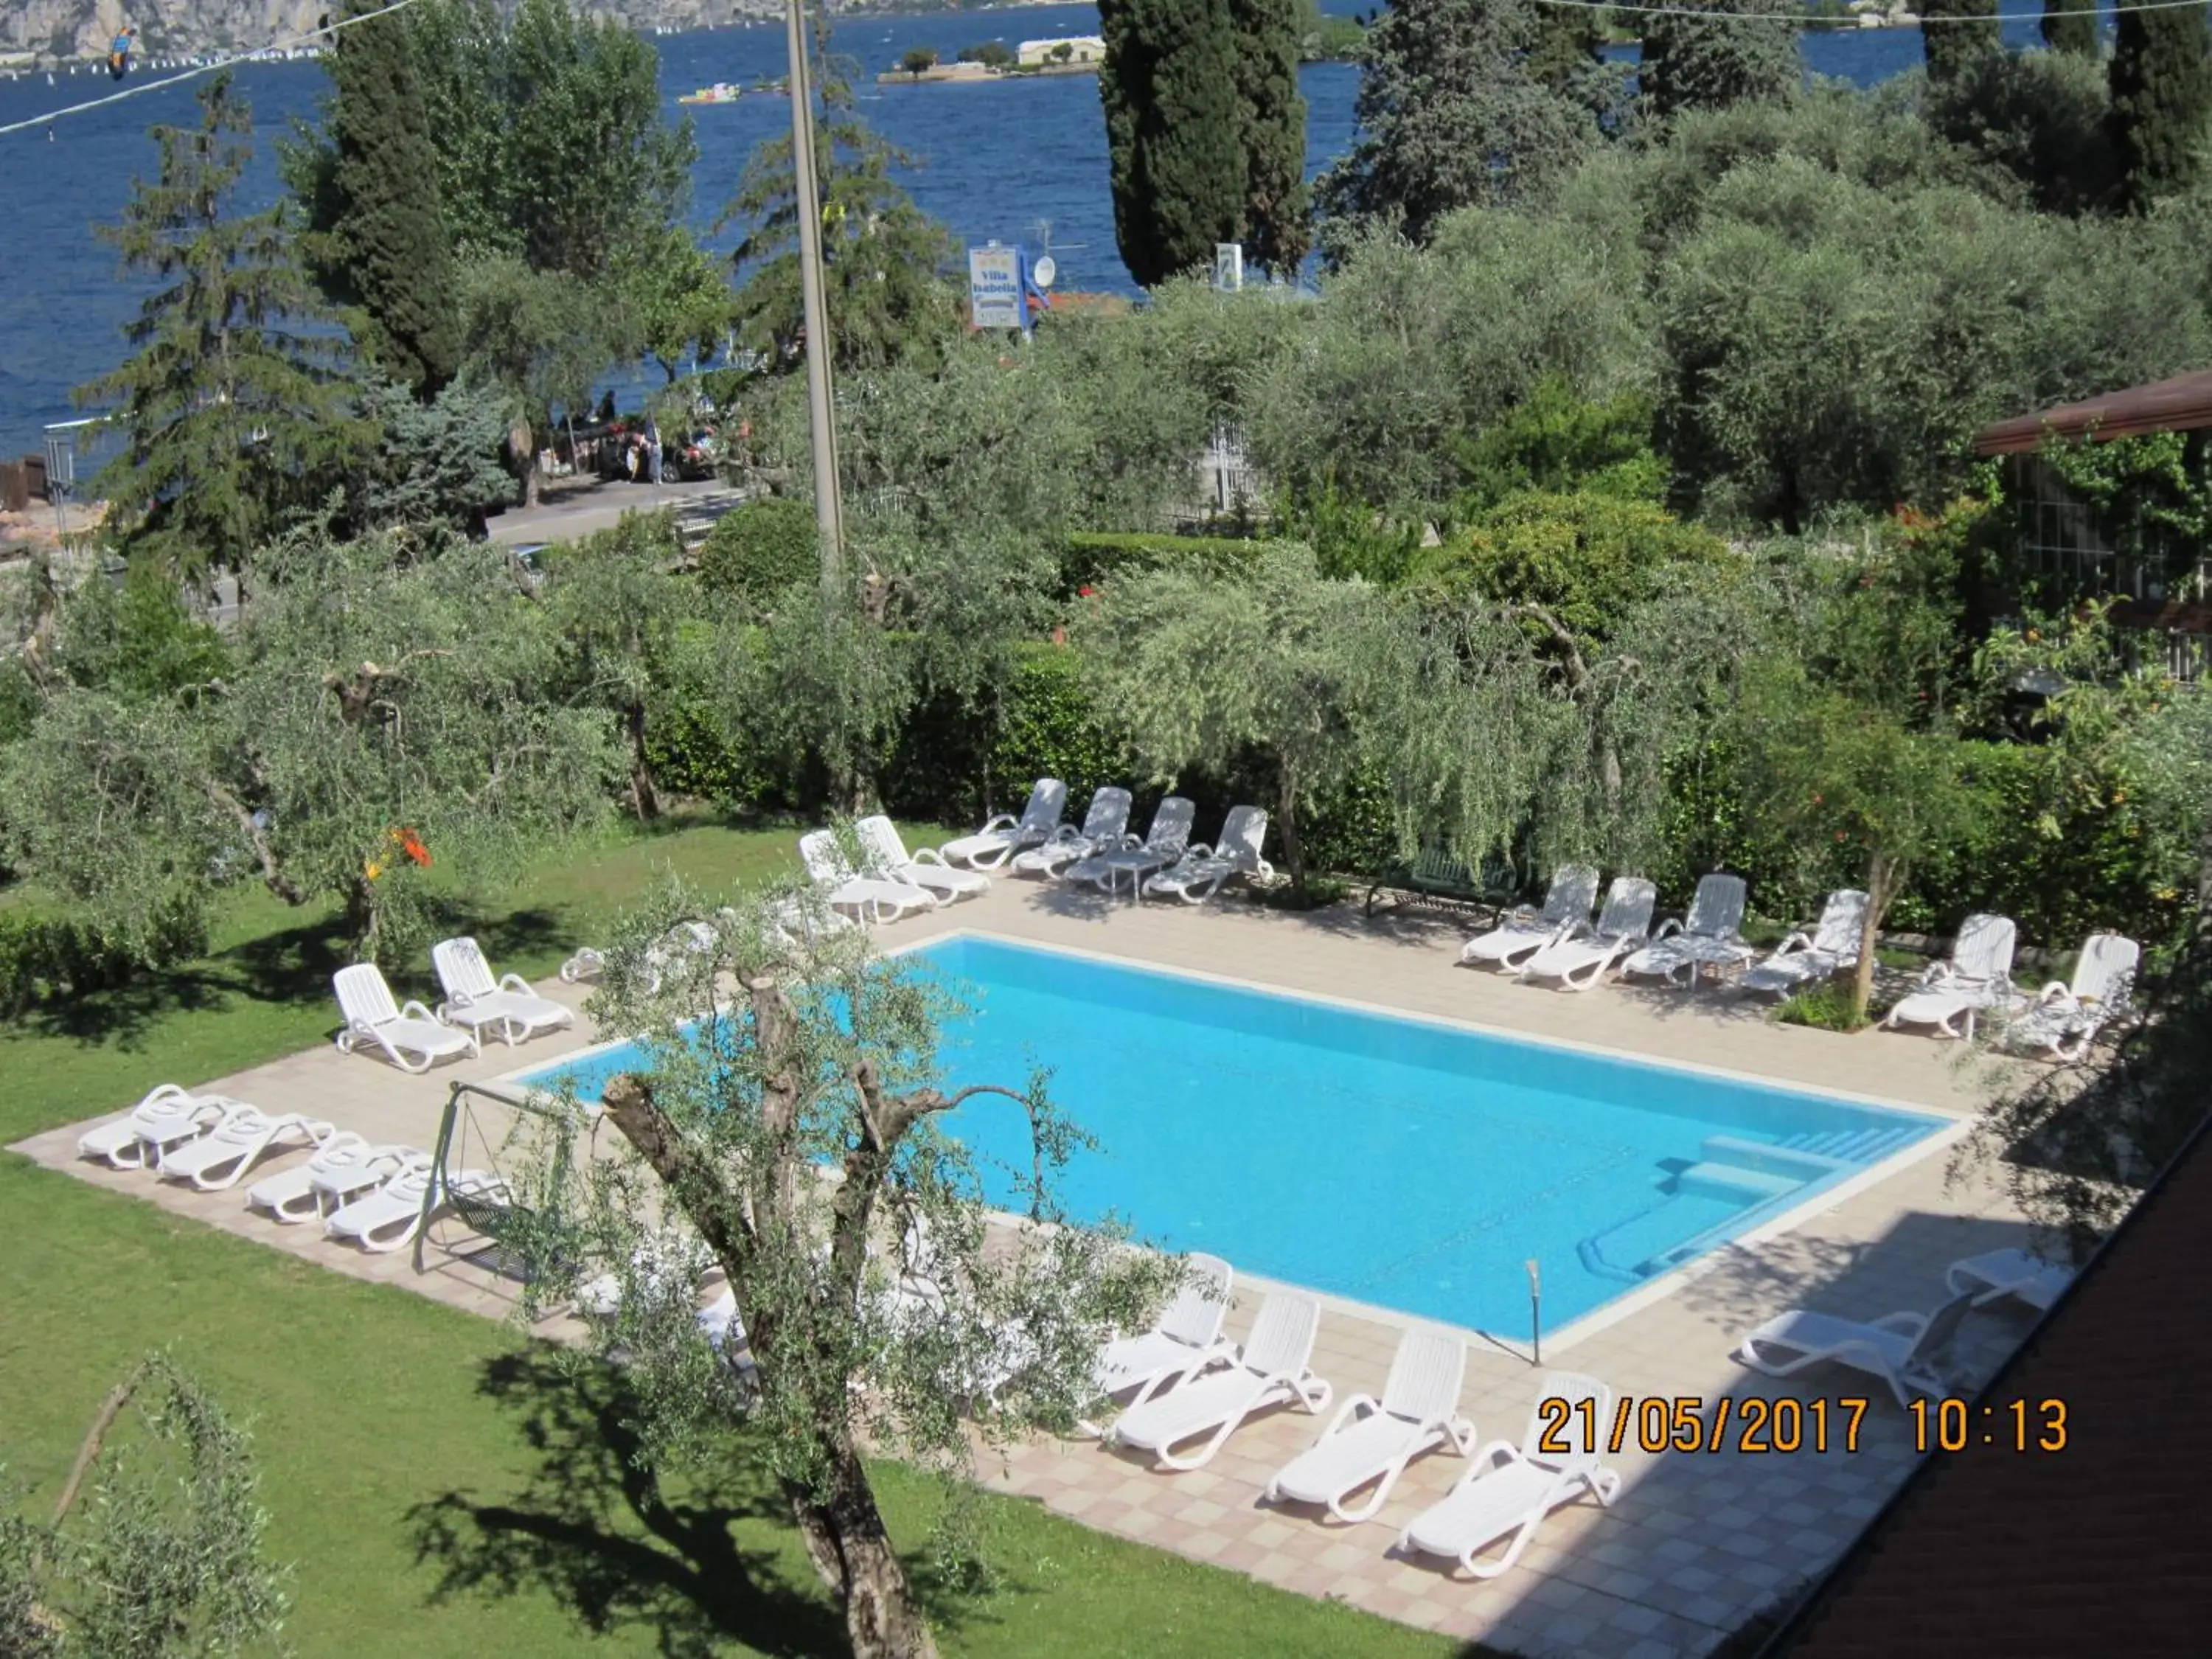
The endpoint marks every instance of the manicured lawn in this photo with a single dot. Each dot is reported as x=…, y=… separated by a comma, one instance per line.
x=439, y=1490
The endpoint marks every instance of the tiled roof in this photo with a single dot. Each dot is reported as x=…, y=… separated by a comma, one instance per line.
x=2182, y=404
x=2103, y=1548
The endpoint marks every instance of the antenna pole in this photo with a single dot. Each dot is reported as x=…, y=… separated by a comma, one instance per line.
x=828, y=508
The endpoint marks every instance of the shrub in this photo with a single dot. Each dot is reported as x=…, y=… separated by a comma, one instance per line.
x=1092, y=556
x=1825, y=1008
x=759, y=550
x=43, y=960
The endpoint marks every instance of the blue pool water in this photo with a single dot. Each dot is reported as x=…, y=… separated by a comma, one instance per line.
x=1413, y=1165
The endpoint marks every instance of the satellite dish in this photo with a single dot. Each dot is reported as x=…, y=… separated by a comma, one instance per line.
x=1043, y=271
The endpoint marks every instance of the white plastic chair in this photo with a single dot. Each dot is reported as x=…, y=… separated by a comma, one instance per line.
x=885, y=851
x=366, y=1001
x=1004, y=835
x=1833, y=946
x=165, y=1116
x=1105, y=825
x=1208, y=1402
x=342, y=1166
x=1524, y=932
x=1369, y=1442
x=1163, y=843
x=1511, y=1489
x=2000, y=1273
x=1187, y=1335
x=1978, y=976
x=475, y=998
x=221, y=1158
x=1580, y=957
x=1197, y=875
x=2062, y=1020
x=1900, y=1348
x=1708, y=937
x=869, y=898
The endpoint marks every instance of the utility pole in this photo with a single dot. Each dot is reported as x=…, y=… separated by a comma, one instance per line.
x=828, y=508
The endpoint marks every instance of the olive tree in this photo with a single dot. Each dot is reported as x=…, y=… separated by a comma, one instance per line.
x=802, y=1135
x=389, y=704
x=156, y=1548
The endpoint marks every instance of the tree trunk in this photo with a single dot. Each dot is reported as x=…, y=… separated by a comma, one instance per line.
x=1882, y=889
x=844, y=1532
x=645, y=800
x=1287, y=809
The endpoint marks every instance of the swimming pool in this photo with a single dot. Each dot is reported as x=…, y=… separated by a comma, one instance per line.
x=1404, y=1163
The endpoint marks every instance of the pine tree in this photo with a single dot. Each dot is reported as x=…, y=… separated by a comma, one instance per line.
x=2161, y=91
x=1278, y=207
x=377, y=244
x=1449, y=117
x=1953, y=33
x=1569, y=41
x=2070, y=26
x=1710, y=63
x=1175, y=132
x=229, y=409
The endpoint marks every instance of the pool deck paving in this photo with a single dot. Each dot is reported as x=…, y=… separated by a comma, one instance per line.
x=1694, y=1545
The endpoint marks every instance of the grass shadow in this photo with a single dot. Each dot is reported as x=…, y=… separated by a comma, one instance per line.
x=613, y=1546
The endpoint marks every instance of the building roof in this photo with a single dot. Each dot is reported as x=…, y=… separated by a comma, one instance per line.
x=2182, y=404
x=2098, y=1548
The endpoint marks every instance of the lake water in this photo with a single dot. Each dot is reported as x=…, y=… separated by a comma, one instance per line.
x=1019, y=161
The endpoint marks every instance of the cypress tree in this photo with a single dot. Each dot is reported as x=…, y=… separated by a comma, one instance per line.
x=1952, y=45
x=1691, y=61
x=1174, y=132
x=378, y=245
x=1278, y=208
x=2162, y=89
x=2070, y=26
x=230, y=406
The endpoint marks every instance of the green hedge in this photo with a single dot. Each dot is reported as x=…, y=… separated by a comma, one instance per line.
x=47, y=961
x=1089, y=556
x=759, y=549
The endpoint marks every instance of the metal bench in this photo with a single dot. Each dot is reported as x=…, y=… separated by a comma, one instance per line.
x=1437, y=879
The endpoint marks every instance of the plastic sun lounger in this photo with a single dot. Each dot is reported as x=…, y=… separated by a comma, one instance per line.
x=1833, y=946
x=221, y=1158
x=1522, y=932
x=1978, y=976
x=887, y=857
x=1899, y=1347
x=343, y=1165
x=1708, y=937
x=1105, y=826
x=2061, y=1021
x=2000, y=1273
x=1580, y=957
x=1187, y=1337
x=1369, y=1442
x=1163, y=843
x=166, y=1114
x=388, y=1219
x=1199, y=874
x=370, y=1014
x=1511, y=1489
x=869, y=898
x=475, y=998
x=1208, y=1402
x=1004, y=835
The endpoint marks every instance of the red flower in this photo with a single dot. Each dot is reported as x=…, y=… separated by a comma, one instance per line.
x=411, y=844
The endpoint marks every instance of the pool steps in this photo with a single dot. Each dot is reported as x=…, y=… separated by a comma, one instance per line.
x=1753, y=1178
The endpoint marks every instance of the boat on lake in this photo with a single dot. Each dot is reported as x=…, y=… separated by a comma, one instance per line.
x=720, y=93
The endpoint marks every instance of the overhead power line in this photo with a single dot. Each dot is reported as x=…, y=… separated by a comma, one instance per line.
x=198, y=70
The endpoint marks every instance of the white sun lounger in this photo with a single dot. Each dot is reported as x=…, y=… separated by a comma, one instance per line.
x=1900, y=1348
x=166, y=1115
x=1833, y=946
x=2061, y=1020
x=869, y=898
x=1580, y=957
x=1710, y=937
x=1369, y=1442
x=345, y=1165
x=1511, y=1489
x=2000, y=1273
x=477, y=997
x=885, y=851
x=1105, y=826
x=1208, y=1402
x=366, y=1001
x=221, y=1158
x=1197, y=876
x=387, y=1218
x=1187, y=1335
x=1004, y=835
x=1524, y=932
x=1163, y=843
x=1978, y=976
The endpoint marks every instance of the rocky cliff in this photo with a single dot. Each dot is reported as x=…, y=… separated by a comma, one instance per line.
x=82, y=29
